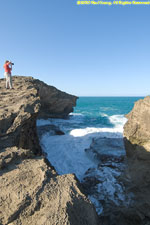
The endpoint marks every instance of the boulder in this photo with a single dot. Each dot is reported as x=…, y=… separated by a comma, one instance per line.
x=107, y=149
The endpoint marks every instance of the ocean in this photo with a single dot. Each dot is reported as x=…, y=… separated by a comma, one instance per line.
x=93, y=118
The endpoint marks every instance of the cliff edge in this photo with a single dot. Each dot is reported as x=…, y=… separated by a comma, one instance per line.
x=137, y=145
x=137, y=128
x=31, y=190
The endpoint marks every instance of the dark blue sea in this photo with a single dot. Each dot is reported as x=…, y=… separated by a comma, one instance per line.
x=97, y=111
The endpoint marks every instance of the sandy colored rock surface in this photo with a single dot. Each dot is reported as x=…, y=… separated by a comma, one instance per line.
x=31, y=190
x=32, y=193
x=137, y=128
x=137, y=144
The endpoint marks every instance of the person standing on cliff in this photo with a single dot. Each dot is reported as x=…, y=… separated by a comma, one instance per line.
x=7, y=74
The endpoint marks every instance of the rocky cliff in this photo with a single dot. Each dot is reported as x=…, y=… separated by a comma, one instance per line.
x=137, y=129
x=31, y=190
x=137, y=144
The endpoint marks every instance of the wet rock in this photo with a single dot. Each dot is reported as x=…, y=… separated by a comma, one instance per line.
x=104, y=184
x=107, y=149
x=52, y=129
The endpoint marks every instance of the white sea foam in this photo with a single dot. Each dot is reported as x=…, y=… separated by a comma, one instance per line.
x=98, y=205
x=64, y=124
x=103, y=114
x=67, y=152
x=118, y=120
x=75, y=114
x=101, y=132
x=74, y=118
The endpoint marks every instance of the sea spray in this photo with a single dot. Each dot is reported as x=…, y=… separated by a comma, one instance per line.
x=93, y=119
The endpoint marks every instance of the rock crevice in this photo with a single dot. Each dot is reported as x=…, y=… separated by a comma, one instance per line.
x=31, y=190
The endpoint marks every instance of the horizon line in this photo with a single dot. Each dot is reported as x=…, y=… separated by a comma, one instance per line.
x=113, y=96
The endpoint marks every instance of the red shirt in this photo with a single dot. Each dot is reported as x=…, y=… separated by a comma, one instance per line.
x=7, y=68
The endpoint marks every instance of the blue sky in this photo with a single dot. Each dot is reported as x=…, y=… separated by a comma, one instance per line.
x=86, y=50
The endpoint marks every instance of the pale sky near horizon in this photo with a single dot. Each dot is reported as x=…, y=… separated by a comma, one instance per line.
x=86, y=50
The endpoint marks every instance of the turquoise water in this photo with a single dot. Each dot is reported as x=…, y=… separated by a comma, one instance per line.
x=93, y=118
x=97, y=110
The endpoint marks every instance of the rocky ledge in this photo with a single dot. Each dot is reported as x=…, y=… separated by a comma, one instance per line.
x=137, y=144
x=31, y=190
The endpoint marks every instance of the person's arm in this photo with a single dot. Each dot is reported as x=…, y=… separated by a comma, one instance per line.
x=10, y=65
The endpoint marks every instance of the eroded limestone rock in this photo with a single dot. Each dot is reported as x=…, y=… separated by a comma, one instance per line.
x=137, y=144
x=31, y=190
